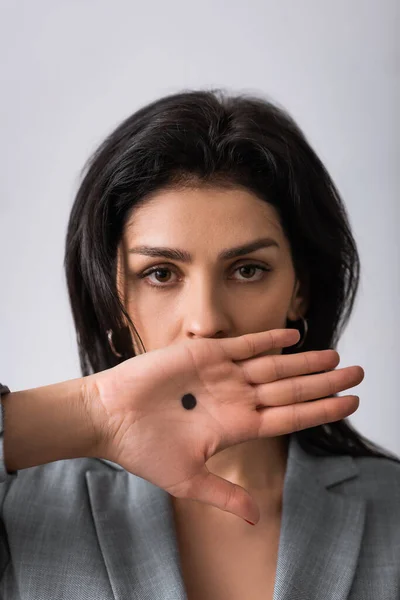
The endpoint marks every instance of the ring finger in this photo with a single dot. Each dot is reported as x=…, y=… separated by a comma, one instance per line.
x=308, y=387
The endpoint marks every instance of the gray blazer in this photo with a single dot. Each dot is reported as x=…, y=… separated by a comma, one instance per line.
x=87, y=529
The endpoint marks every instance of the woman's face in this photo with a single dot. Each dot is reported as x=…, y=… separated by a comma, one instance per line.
x=195, y=291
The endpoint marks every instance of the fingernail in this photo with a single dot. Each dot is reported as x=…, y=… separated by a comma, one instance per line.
x=249, y=522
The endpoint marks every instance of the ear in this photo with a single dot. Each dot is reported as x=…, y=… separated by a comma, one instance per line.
x=300, y=300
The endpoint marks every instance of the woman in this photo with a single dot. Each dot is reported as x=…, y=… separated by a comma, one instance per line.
x=204, y=231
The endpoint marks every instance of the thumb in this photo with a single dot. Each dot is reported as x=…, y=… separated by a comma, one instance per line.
x=211, y=489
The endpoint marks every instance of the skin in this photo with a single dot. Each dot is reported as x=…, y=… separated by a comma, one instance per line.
x=212, y=297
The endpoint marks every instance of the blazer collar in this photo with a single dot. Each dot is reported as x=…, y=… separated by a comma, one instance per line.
x=319, y=544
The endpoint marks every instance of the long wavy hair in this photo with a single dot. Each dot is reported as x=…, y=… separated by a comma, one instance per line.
x=211, y=137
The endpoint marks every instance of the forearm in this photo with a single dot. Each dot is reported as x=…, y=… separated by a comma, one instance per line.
x=46, y=424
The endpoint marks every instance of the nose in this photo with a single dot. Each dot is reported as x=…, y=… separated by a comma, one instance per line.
x=205, y=315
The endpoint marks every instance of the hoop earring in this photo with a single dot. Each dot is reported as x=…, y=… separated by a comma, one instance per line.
x=302, y=339
x=110, y=341
x=110, y=335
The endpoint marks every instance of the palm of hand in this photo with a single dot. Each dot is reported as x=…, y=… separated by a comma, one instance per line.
x=155, y=432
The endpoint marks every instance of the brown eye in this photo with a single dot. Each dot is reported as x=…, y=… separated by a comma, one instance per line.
x=157, y=276
x=247, y=270
x=162, y=275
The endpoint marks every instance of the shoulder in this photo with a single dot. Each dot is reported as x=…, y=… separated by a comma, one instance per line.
x=377, y=480
x=381, y=474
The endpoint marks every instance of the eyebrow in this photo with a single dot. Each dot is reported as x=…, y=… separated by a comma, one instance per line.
x=186, y=257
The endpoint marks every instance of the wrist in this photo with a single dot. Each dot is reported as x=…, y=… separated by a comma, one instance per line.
x=93, y=415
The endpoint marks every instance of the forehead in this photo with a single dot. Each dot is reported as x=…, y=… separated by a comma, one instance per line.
x=187, y=214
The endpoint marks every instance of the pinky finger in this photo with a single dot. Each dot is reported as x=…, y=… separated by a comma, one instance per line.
x=280, y=420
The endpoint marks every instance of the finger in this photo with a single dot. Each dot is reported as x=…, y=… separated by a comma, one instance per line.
x=251, y=344
x=225, y=495
x=274, y=367
x=280, y=420
x=308, y=387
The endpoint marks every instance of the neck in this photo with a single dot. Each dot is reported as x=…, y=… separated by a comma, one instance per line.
x=257, y=465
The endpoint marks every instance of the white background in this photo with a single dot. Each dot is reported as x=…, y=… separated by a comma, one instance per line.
x=72, y=70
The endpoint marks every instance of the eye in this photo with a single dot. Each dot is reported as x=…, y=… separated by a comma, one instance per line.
x=251, y=268
x=163, y=278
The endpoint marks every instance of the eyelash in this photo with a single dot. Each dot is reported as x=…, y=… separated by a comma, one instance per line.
x=148, y=272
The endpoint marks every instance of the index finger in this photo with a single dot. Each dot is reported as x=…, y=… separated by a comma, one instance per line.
x=252, y=344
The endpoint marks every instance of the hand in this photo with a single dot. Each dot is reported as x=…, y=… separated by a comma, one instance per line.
x=136, y=408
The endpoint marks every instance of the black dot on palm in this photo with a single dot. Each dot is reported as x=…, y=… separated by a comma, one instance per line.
x=188, y=401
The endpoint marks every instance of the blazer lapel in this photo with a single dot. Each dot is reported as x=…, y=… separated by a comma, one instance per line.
x=319, y=544
x=134, y=525
x=321, y=530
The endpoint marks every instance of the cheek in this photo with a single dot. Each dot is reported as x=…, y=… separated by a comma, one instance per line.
x=267, y=310
x=153, y=317
x=263, y=315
